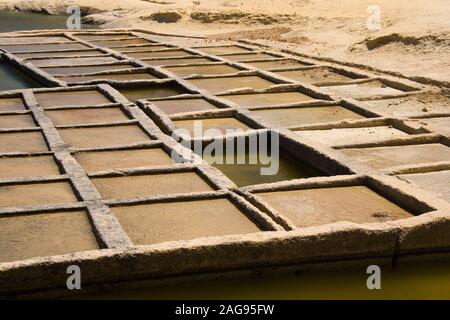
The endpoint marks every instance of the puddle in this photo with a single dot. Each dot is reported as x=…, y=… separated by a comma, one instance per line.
x=43, y=47
x=291, y=117
x=153, y=223
x=71, y=98
x=362, y=90
x=46, y=234
x=113, y=77
x=86, y=116
x=221, y=125
x=174, y=62
x=11, y=167
x=315, y=75
x=22, y=142
x=183, y=105
x=16, y=21
x=223, y=50
x=34, y=194
x=268, y=99
x=12, y=78
x=202, y=70
x=144, y=185
x=411, y=105
x=122, y=159
x=11, y=104
x=249, y=174
x=277, y=64
x=313, y=207
x=248, y=56
x=218, y=85
x=386, y=157
x=86, y=69
x=151, y=91
x=346, y=136
x=434, y=182
x=60, y=54
x=103, y=136
x=16, y=121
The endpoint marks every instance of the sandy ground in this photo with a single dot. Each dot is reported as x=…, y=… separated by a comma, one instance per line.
x=414, y=35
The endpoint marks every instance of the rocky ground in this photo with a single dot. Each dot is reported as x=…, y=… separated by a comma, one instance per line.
x=413, y=36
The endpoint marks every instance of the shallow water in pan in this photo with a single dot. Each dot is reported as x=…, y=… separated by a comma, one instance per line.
x=150, y=92
x=249, y=174
x=11, y=78
x=86, y=69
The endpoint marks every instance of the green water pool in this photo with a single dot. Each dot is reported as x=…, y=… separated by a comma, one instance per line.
x=408, y=281
x=18, y=21
x=11, y=78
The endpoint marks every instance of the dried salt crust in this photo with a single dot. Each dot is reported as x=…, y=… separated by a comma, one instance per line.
x=306, y=247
